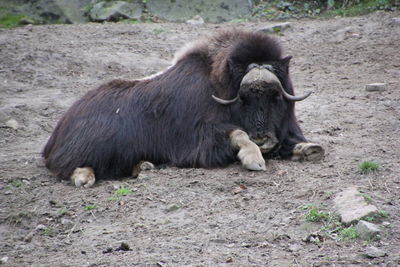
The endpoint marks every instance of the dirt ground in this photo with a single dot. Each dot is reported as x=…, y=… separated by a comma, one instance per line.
x=199, y=217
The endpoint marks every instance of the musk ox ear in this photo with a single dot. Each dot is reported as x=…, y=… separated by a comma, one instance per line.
x=236, y=72
x=285, y=63
x=286, y=60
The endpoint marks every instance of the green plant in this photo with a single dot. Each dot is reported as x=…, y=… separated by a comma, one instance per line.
x=314, y=215
x=17, y=183
x=380, y=214
x=366, y=197
x=62, y=211
x=48, y=231
x=123, y=191
x=90, y=207
x=349, y=233
x=368, y=166
x=10, y=21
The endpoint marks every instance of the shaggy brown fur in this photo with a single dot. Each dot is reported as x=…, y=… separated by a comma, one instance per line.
x=171, y=118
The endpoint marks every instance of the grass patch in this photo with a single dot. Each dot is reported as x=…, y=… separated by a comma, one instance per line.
x=90, y=207
x=315, y=215
x=121, y=192
x=10, y=21
x=361, y=8
x=347, y=234
x=331, y=226
x=366, y=197
x=17, y=183
x=368, y=166
x=62, y=212
x=379, y=215
x=49, y=231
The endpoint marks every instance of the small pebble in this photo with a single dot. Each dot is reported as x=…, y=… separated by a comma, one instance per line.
x=40, y=227
x=373, y=87
x=395, y=21
x=3, y=260
x=107, y=250
x=173, y=207
x=12, y=124
x=124, y=247
x=196, y=20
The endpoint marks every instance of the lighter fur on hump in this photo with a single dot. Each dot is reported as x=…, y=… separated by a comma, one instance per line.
x=213, y=46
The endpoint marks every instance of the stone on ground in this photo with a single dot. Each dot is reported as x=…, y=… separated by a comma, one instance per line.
x=351, y=206
x=372, y=87
x=367, y=230
x=115, y=10
x=11, y=123
x=374, y=252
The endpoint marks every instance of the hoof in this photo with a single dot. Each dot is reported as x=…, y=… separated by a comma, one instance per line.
x=308, y=151
x=83, y=177
x=251, y=158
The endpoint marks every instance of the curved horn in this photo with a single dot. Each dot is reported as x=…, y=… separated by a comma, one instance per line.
x=225, y=102
x=292, y=97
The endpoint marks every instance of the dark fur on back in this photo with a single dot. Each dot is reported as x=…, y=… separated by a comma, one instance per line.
x=170, y=118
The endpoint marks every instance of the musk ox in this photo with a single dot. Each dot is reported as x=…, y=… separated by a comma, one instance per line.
x=226, y=97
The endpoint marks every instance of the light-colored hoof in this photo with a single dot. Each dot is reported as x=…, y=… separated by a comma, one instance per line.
x=308, y=151
x=251, y=158
x=147, y=166
x=83, y=177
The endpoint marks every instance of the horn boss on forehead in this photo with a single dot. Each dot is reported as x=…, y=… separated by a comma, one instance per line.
x=260, y=75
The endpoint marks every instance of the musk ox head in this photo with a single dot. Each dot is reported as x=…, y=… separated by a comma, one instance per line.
x=262, y=105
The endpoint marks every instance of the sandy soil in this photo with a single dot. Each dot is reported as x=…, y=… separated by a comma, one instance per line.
x=198, y=217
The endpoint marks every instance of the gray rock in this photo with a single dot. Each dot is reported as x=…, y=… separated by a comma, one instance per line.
x=375, y=87
x=11, y=123
x=395, y=21
x=52, y=11
x=367, y=230
x=4, y=260
x=351, y=206
x=294, y=247
x=115, y=10
x=74, y=10
x=40, y=227
x=29, y=236
x=172, y=208
x=214, y=11
x=276, y=27
x=373, y=252
x=67, y=223
x=196, y=20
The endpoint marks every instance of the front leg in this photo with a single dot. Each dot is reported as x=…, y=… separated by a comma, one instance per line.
x=249, y=153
